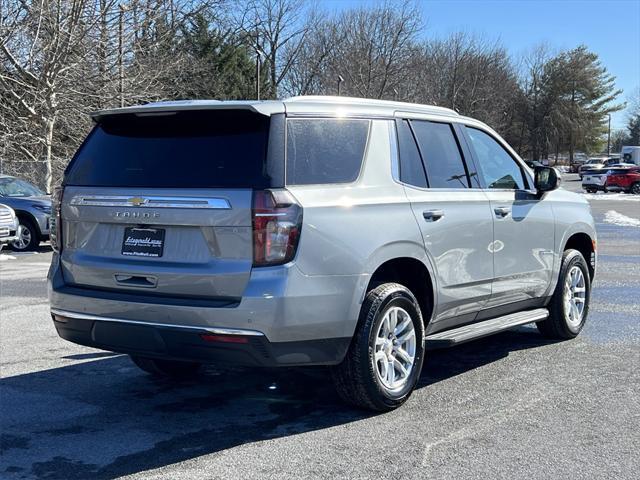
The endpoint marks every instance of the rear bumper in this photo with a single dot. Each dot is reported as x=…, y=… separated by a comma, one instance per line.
x=298, y=319
x=196, y=344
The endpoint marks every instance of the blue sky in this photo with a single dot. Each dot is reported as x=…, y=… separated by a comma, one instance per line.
x=609, y=28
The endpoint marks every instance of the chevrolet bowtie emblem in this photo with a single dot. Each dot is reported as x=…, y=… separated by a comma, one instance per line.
x=137, y=201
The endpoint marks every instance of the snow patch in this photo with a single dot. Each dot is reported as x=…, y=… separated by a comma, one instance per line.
x=4, y=257
x=612, y=196
x=616, y=218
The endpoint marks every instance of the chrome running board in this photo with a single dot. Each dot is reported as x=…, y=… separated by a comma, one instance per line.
x=477, y=330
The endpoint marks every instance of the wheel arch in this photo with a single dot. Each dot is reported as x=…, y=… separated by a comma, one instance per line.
x=29, y=216
x=414, y=274
x=586, y=245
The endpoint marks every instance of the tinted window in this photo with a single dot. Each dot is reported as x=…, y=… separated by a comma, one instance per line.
x=441, y=155
x=498, y=168
x=411, y=169
x=203, y=149
x=325, y=150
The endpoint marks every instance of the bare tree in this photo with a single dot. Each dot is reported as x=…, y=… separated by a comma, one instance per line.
x=39, y=55
x=279, y=31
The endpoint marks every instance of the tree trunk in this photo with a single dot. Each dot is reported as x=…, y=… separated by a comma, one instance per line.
x=48, y=156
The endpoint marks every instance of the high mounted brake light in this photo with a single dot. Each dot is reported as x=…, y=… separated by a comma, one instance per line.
x=277, y=221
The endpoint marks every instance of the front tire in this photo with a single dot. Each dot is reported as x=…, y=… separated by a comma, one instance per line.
x=27, y=237
x=635, y=188
x=383, y=364
x=569, y=304
x=166, y=368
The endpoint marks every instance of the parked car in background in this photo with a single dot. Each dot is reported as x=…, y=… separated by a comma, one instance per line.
x=597, y=179
x=624, y=180
x=8, y=225
x=597, y=163
x=631, y=154
x=33, y=209
x=579, y=159
x=334, y=231
x=594, y=180
x=612, y=160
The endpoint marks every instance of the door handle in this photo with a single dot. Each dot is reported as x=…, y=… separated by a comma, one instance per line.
x=432, y=215
x=502, y=211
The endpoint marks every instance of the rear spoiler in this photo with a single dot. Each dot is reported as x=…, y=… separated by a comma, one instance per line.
x=267, y=108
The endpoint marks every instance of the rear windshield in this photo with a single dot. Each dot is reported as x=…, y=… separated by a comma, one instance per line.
x=201, y=149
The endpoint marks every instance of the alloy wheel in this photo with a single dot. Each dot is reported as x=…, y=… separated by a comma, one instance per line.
x=575, y=293
x=24, y=238
x=395, y=348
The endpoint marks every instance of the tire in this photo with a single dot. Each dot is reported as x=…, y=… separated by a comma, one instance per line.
x=635, y=188
x=29, y=239
x=562, y=323
x=365, y=382
x=166, y=368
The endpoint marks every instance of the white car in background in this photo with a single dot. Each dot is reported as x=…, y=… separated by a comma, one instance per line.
x=8, y=225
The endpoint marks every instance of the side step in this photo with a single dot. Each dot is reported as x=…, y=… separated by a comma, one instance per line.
x=449, y=338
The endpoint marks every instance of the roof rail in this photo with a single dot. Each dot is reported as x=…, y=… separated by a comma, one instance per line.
x=369, y=102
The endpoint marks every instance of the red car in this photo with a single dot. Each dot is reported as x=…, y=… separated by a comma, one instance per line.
x=624, y=179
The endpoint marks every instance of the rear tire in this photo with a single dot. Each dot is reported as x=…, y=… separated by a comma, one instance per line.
x=166, y=368
x=569, y=304
x=635, y=188
x=383, y=364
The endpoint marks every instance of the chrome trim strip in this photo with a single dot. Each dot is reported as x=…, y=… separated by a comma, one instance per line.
x=150, y=201
x=214, y=330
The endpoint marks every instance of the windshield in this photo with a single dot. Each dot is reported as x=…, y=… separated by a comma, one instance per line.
x=14, y=187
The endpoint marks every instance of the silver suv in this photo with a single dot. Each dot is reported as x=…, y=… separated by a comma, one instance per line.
x=343, y=232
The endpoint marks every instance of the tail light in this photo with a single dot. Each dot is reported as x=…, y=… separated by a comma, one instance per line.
x=277, y=221
x=55, y=226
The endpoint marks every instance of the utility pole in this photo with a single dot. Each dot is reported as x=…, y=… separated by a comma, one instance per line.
x=340, y=80
x=120, y=54
x=609, y=137
x=259, y=53
x=257, y=74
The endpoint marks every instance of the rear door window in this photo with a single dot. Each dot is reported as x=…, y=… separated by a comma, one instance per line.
x=324, y=151
x=194, y=149
x=411, y=168
x=441, y=155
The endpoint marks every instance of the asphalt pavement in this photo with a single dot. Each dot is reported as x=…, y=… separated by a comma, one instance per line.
x=510, y=406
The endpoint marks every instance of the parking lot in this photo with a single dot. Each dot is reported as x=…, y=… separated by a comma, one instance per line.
x=510, y=406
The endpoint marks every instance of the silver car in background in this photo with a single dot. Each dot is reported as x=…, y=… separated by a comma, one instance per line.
x=348, y=233
x=33, y=208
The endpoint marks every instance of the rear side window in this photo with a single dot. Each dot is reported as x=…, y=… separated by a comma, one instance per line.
x=195, y=149
x=322, y=151
x=441, y=155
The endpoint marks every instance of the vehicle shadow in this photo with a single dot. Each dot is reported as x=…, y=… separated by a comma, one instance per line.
x=102, y=418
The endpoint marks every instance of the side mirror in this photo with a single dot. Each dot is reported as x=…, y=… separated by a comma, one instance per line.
x=546, y=179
